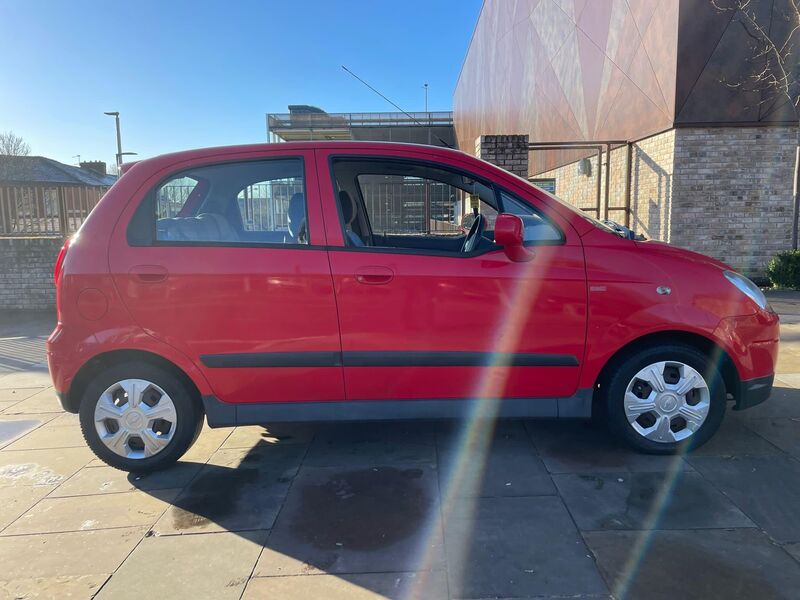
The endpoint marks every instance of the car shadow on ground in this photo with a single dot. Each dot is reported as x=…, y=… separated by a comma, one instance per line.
x=348, y=521
x=373, y=505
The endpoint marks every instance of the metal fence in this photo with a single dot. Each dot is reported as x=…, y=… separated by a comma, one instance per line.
x=411, y=206
x=263, y=206
x=27, y=210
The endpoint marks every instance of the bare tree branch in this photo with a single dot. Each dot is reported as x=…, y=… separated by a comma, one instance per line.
x=778, y=76
x=13, y=145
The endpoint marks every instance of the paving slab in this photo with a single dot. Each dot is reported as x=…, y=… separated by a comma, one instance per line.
x=734, y=438
x=18, y=394
x=791, y=379
x=585, y=447
x=12, y=430
x=357, y=520
x=783, y=432
x=794, y=550
x=206, y=444
x=64, y=554
x=65, y=419
x=358, y=586
x=373, y=444
x=6, y=404
x=66, y=587
x=237, y=490
x=49, y=436
x=17, y=500
x=44, y=401
x=108, y=480
x=766, y=489
x=41, y=467
x=83, y=513
x=647, y=501
x=282, y=433
x=784, y=401
x=215, y=565
x=506, y=464
x=694, y=565
x=37, y=376
x=517, y=548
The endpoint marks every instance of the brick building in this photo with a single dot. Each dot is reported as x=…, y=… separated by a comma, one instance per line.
x=631, y=112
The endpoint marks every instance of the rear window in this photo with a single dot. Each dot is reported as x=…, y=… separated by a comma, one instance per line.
x=258, y=202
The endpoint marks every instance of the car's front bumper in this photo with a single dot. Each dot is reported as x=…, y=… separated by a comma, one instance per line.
x=753, y=392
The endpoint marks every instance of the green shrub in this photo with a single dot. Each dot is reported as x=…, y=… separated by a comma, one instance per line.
x=784, y=269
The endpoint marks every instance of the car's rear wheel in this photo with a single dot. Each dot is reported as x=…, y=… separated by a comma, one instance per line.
x=139, y=417
x=665, y=398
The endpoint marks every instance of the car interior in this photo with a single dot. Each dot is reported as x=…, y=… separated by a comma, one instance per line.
x=219, y=206
x=396, y=182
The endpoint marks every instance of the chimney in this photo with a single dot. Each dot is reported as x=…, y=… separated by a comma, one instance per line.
x=96, y=166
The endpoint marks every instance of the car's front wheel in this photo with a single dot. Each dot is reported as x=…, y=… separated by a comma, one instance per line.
x=139, y=417
x=665, y=398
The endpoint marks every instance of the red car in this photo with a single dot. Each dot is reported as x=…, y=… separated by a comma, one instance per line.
x=333, y=281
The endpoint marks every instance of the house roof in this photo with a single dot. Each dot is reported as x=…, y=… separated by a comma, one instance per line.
x=38, y=169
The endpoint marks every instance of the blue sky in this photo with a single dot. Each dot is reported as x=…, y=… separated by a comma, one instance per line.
x=192, y=74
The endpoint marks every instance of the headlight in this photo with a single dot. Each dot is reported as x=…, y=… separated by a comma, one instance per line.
x=748, y=288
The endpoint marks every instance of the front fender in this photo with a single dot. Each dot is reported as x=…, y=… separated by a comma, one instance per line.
x=609, y=333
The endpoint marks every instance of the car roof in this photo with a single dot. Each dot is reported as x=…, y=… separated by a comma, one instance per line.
x=307, y=145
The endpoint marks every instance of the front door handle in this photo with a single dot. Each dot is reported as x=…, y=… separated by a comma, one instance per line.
x=149, y=273
x=374, y=275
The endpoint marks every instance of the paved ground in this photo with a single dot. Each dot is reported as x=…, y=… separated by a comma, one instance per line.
x=413, y=510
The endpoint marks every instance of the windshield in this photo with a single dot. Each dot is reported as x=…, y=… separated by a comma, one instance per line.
x=597, y=223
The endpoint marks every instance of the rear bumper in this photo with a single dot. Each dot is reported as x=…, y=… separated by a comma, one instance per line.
x=754, y=391
x=64, y=399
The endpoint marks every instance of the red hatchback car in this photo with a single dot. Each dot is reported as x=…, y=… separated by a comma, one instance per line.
x=334, y=281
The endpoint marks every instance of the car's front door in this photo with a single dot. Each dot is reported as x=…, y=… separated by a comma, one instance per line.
x=226, y=262
x=420, y=318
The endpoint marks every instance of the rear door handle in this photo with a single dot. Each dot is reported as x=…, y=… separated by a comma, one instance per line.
x=149, y=273
x=374, y=275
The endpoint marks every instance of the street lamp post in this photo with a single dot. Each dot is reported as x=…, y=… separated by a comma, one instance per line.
x=115, y=114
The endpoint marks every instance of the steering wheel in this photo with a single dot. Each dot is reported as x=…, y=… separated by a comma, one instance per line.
x=475, y=232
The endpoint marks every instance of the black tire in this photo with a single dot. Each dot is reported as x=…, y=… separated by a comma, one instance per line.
x=188, y=410
x=612, y=394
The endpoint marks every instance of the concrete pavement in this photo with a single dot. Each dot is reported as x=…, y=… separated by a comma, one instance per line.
x=527, y=509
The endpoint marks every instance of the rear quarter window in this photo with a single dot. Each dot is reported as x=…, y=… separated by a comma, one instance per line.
x=254, y=202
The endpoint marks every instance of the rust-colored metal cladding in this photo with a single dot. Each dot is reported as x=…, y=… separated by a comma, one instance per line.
x=569, y=70
x=575, y=70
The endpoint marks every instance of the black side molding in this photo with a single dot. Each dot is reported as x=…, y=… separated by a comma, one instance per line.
x=387, y=359
x=223, y=414
x=456, y=359
x=272, y=359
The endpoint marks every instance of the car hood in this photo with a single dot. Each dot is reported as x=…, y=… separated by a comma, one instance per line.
x=662, y=248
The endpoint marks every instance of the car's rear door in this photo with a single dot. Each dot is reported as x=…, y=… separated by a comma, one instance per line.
x=225, y=260
x=435, y=323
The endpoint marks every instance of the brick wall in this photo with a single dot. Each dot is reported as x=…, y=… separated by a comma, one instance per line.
x=651, y=184
x=722, y=191
x=732, y=193
x=26, y=272
x=509, y=152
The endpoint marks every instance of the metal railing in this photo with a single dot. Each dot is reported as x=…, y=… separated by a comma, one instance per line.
x=412, y=207
x=36, y=210
x=304, y=120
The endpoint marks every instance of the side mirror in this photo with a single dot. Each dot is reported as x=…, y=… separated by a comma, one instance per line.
x=509, y=232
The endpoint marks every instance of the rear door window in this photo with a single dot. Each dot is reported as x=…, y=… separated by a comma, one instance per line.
x=258, y=202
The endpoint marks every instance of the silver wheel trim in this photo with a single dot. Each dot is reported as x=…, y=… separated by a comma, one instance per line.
x=688, y=399
x=135, y=418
